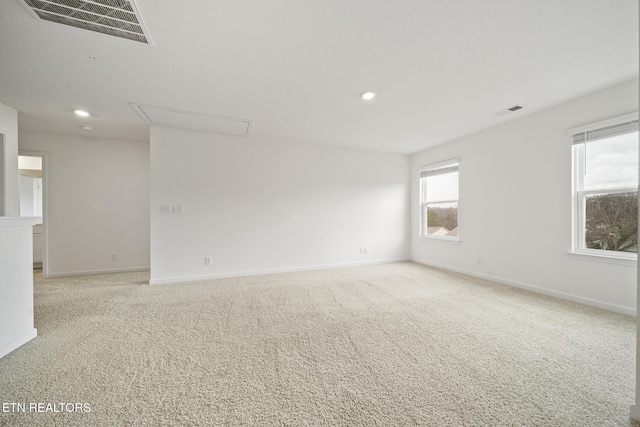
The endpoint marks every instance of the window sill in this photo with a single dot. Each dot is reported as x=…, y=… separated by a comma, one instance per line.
x=603, y=258
x=450, y=240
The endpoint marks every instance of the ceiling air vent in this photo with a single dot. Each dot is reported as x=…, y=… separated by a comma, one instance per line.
x=119, y=18
x=508, y=110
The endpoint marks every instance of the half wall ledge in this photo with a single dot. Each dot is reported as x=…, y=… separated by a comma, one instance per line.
x=16, y=287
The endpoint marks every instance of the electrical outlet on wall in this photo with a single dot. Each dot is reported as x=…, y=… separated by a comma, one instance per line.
x=208, y=260
x=114, y=257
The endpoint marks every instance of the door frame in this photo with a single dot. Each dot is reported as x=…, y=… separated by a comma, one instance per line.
x=45, y=207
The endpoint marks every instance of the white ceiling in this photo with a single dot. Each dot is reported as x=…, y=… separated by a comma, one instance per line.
x=296, y=67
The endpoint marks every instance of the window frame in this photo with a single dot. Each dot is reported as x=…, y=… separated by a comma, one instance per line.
x=423, y=204
x=580, y=194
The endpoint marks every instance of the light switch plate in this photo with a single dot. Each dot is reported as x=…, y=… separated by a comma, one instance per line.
x=176, y=209
x=165, y=208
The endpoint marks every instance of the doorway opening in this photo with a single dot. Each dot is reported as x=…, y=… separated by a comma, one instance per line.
x=33, y=202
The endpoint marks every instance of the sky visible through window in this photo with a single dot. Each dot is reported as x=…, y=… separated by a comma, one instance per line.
x=442, y=187
x=612, y=162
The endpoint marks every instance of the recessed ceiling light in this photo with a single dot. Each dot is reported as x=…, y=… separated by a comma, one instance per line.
x=81, y=113
x=368, y=95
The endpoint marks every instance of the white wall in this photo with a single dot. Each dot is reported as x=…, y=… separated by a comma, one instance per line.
x=97, y=202
x=16, y=283
x=515, y=205
x=262, y=206
x=2, y=179
x=27, y=193
x=9, y=128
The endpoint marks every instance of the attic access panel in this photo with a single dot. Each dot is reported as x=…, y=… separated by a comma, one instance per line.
x=193, y=120
x=118, y=18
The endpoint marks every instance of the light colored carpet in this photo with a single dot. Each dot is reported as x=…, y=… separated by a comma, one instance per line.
x=389, y=345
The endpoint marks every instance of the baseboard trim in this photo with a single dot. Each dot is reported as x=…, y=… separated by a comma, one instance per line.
x=17, y=342
x=195, y=278
x=537, y=289
x=93, y=272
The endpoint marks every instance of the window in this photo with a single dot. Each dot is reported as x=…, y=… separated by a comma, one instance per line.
x=439, y=200
x=605, y=165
